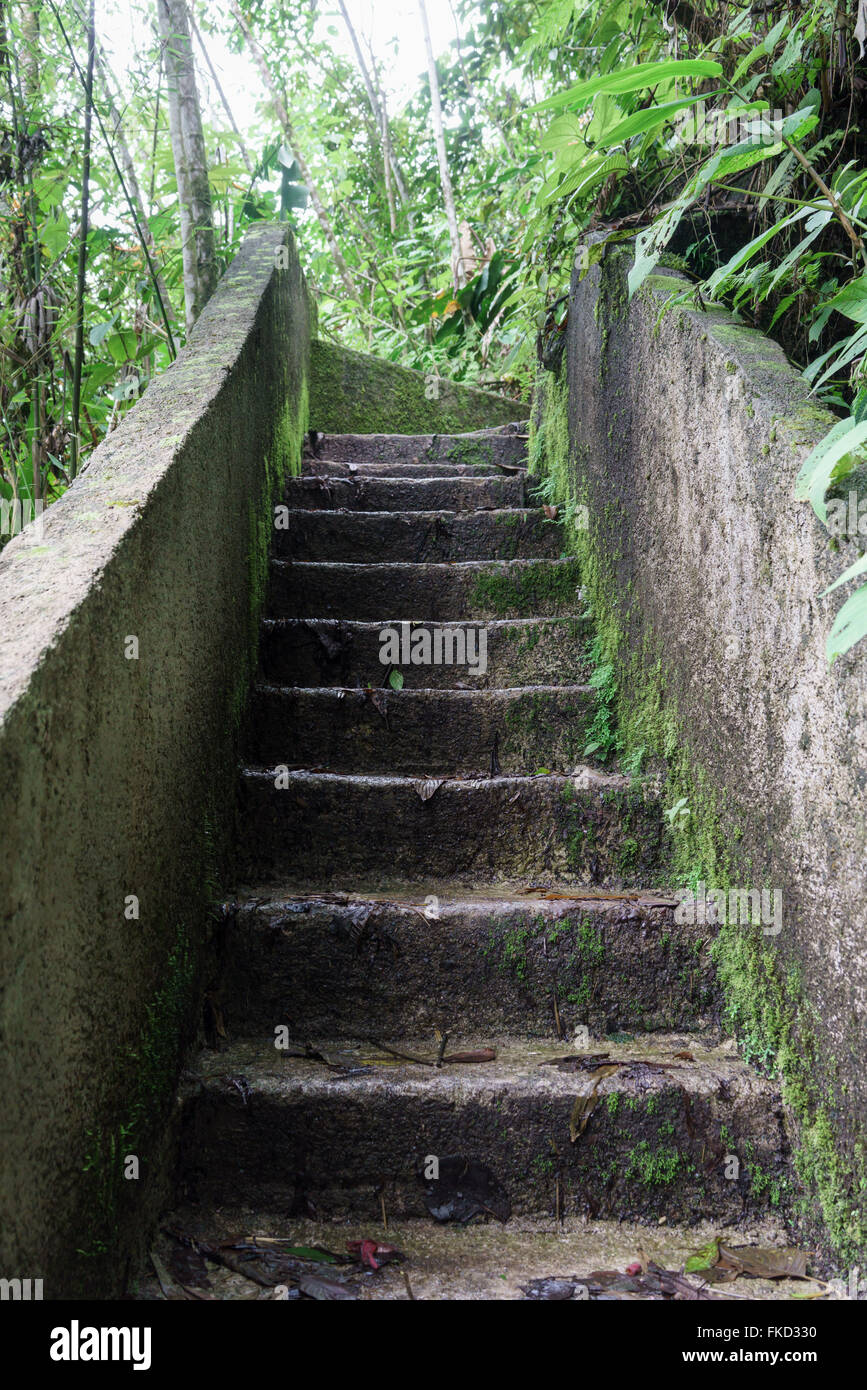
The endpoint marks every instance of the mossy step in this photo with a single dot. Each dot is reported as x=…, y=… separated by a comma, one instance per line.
x=431, y=957
x=667, y=1133
x=375, y=830
x=520, y=651
x=431, y=592
x=483, y=1261
x=506, y=446
x=333, y=468
x=364, y=537
x=406, y=494
x=422, y=732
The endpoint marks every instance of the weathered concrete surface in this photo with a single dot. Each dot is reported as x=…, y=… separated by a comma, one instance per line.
x=415, y=494
x=686, y=437
x=355, y=393
x=462, y=589
x=483, y=1261
x=427, y=733
x=477, y=965
x=329, y=651
x=504, y=447
x=512, y=533
x=655, y=1143
x=330, y=828
x=117, y=772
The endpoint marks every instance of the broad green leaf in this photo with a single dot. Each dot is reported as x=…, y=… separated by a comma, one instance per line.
x=851, y=573
x=654, y=118
x=629, y=80
x=828, y=462
x=100, y=332
x=850, y=625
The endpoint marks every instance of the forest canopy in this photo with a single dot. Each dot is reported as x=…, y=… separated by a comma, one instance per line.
x=439, y=209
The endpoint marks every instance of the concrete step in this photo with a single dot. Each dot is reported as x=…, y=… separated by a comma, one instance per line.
x=329, y=965
x=659, y=1140
x=509, y=534
x=405, y=494
x=422, y=732
x=521, y=651
x=431, y=592
x=366, y=830
x=477, y=447
x=334, y=468
x=483, y=1261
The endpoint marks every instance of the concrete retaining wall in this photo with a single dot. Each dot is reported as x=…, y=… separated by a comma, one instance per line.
x=127, y=641
x=683, y=437
x=353, y=393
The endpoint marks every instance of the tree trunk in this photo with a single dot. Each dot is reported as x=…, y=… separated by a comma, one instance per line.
x=289, y=136
x=191, y=169
x=458, y=276
x=122, y=150
x=222, y=95
x=380, y=114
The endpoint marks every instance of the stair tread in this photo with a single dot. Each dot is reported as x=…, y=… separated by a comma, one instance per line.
x=519, y=1069
x=483, y=1261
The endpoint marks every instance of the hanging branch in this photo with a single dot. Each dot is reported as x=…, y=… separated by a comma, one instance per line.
x=82, y=244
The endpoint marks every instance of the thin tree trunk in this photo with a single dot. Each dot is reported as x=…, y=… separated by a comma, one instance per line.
x=82, y=244
x=191, y=169
x=380, y=114
x=439, y=136
x=118, y=135
x=289, y=136
x=222, y=95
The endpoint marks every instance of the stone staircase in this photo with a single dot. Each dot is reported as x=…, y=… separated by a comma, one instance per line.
x=432, y=870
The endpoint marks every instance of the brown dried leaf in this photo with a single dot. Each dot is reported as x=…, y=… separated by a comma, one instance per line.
x=764, y=1262
x=586, y=1103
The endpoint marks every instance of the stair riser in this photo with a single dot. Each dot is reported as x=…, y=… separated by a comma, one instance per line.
x=340, y=1143
x=442, y=733
x=345, y=832
x=405, y=494
x=371, y=537
x=330, y=468
x=492, y=968
x=543, y=651
x=429, y=592
x=472, y=448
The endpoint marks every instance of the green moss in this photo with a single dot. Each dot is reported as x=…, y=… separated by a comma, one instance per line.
x=353, y=393
x=534, y=588
x=653, y=1167
x=763, y=1004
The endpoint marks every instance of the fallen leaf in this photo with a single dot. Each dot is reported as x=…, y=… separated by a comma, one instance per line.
x=764, y=1262
x=482, y=1054
x=427, y=789
x=325, y=1290
x=550, y=512
x=586, y=1103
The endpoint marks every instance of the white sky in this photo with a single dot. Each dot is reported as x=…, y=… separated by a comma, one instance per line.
x=392, y=26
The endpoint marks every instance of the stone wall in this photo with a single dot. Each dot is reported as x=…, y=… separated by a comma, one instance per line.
x=682, y=435
x=353, y=393
x=127, y=642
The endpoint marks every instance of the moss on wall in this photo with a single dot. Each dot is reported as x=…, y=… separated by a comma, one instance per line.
x=765, y=1006
x=352, y=393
